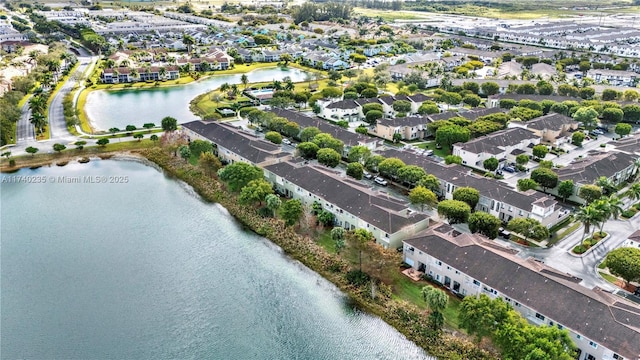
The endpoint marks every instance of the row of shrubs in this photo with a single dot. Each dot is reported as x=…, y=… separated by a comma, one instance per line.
x=589, y=242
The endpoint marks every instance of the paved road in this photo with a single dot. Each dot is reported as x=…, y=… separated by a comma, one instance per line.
x=25, y=131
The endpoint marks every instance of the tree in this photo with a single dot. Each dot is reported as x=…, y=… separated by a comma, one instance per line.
x=526, y=184
x=430, y=182
x=291, y=211
x=422, y=196
x=546, y=178
x=590, y=193
x=403, y=106
x=428, y=108
x=359, y=153
x=566, y=189
x=244, y=79
x=308, y=150
x=239, y=174
x=624, y=262
x=355, y=170
x=454, y=211
x=472, y=100
x=622, y=129
x=390, y=167
x=587, y=116
x=490, y=88
x=634, y=192
x=522, y=159
x=328, y=157
x=609, y=94
x=113, y=130
x=274, y=137
x=612, y=115
x=209, y=162
x=184, y=151
x=410, y=174
x=451, y=98
x=273, y=203
x=337, y=235
x=490, y=164
x=485, y=224
x=452, y=159
x=102, y=142
x=58, y=147
x=540, y=151
x=481, y=316
x=469, y=195
x=307, y=134
x=130, y=128
x=450, y=134
x=148, y=126
x=169, y=124
x=530, y=228
x=588, y=216
x=373, y=116
x=436, y=300
x=631, y=112
x=577, y=138
x=255, y=191
x=31, y=150
x=138, y=136
x=324, y=140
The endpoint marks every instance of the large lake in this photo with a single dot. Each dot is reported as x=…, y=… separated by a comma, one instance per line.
x=119, y=108
x=146, y=270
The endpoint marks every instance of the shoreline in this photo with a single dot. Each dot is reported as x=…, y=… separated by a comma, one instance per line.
x=406, y=318
x=84, y=94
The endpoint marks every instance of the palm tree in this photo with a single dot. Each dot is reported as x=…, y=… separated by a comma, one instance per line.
x=124, y=63
x=606, y=185
x=244, y=79
x=289, y=85
x=234, y=90
x=277, y=85
x=188, y=40
x=604, y=211
x=109, y=63
x=224, y=87
x=33, y=56
x=615, y=206
x=634, y=192
x=588, y=216
x=37, y=104
x=39, y=121
x=162, y=72
x=133, y=74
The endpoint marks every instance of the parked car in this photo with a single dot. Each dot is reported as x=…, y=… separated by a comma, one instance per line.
x=510, y=169
x=380, y=181
x=286, y=141
x=597, y=132
x=367, y=175
x=505, y=234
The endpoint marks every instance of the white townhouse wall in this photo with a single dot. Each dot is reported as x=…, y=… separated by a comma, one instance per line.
x=354, y=205
x=603, y=326
x=613, y=77
x=499, y=145
x=347, y=110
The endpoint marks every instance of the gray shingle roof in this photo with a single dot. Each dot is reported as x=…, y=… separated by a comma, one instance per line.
x=595, y=165
x=550, y=121
x=461, y=177
x=248, y=146
x=599, y=316
x=493, y=143
x=378, y=209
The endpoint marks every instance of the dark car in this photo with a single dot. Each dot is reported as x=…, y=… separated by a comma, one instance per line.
x=504, y=233
x=510, y=169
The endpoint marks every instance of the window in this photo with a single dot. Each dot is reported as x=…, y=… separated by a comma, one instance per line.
x=507, y=299
x=593, y=345
x=476, y=282
x=560, y=327
x=438, y=262
x=578, y=336
x=517, y=304
x=539, y=316
x=448, y=267
x=457, y=272
x=617, y=357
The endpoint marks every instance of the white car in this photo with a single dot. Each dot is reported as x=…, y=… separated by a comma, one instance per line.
x=286, y=141
x=380, y=181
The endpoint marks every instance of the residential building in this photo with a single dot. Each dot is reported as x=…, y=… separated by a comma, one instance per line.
x=633, y=240
x=616, y=166
x=409, y=128
x=553, y=129
x=354, y=205
x=499, y=145
x=496, y=198
x=342, y=110
x=602, y=325
x=613, y=77
x=233, y=145
x=494, y=100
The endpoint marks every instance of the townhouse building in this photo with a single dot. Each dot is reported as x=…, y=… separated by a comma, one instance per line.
x=126, y=75
x=501, y=145
x=409, y=128
x=354, y=205
x=616, y=166
x=603, y=326
x=553, y=129
x=496, y=198
x=613, y=77
x=233, y=145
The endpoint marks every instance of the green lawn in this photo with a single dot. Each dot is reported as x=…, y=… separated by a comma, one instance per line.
x=610, y=278
x=324, y=239
x=431, y=145
x=407, y=289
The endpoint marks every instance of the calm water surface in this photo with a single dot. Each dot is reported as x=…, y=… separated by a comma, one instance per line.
x=107, y=109
x=146, y=270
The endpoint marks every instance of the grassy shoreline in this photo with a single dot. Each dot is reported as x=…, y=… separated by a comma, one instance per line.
x=407, y=318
